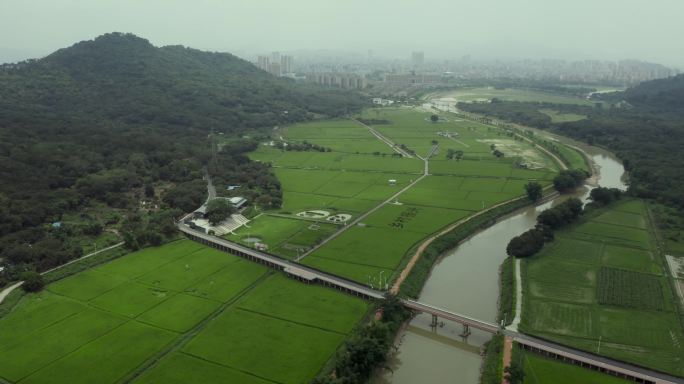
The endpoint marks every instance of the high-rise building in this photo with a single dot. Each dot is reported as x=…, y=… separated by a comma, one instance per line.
x=275, y=57
x=286, y=64
x=418, y=59
x=264, y=62
x=275, y=69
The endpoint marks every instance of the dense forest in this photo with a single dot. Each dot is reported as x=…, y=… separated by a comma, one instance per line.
x=644, y=126
x=115, y=121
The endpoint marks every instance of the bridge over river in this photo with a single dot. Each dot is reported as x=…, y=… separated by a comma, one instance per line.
x=310, y=275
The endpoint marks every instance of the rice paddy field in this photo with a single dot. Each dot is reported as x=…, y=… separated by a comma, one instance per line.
x=604, y=279
x=177, y=313
x=186, y=313
x=373, y=251
x=542, y=370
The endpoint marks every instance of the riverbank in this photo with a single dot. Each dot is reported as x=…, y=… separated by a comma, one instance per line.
x=461, y=280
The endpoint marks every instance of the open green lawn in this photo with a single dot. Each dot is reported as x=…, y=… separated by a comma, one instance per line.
x=542, y=370
x=602, y=279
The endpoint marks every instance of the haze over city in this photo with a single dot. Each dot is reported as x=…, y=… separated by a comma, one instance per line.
x=490, y=29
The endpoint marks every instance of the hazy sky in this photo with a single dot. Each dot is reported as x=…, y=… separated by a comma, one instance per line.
x=649, y=30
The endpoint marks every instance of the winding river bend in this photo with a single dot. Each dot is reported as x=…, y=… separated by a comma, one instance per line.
x=465, y=280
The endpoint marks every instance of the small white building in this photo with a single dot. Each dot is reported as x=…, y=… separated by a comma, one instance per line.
x=237, y=201
x=392, y=182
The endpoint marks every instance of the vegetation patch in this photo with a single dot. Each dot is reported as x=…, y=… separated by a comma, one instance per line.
x=629, y=289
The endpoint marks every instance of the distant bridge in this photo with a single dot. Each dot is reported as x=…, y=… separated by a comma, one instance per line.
x=314, y=276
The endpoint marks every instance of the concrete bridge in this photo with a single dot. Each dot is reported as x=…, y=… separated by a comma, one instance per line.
x=314, y=276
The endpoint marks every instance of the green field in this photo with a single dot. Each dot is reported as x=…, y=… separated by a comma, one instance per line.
x=176, y=313
x=558, y=117
x=603, y=279
x=541, y=370
x=512, y=94
x=344, y=181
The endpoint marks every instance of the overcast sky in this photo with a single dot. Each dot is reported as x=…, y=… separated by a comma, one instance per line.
x=650, y=30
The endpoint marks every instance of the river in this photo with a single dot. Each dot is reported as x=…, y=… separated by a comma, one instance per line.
x=465, y=280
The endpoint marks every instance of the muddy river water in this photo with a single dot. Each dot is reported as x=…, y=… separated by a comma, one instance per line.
x=465, y=281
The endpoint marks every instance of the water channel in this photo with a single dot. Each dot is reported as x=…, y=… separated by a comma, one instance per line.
x=466, y=281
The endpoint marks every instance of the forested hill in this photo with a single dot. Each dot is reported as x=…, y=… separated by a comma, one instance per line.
x=659, y=95
x=122, y=77
x=91, y=132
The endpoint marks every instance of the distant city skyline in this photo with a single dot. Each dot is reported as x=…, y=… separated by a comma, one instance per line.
x=488, y=29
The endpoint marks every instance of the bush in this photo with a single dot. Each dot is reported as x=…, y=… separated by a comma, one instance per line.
x=33, y=281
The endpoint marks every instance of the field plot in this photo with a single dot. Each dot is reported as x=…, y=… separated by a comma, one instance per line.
x=137, y=312
x=345, y=136
x=114, y=316
x=600, y=280
x=512, y=94
x=284, y=236
x=557, y=117
x=455, y=189
x=541, y=370
x=282, y=331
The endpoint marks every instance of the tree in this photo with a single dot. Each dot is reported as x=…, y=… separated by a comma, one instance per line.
x=33, y=281
x=568, y=180
x=149, y=190
x=526, y=244
x=434, y=118
x=218, y=210
x=515, y=374
x=458, y=155
x=498, y=153
x=534, y=191
x=604, y=196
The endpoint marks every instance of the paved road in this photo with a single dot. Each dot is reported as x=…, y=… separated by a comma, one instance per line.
x=385, y=140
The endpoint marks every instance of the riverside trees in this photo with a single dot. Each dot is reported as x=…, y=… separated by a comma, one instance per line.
x=532, y=241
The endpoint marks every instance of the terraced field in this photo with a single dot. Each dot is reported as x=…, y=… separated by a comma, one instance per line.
x=604, y=279
x=175, y=314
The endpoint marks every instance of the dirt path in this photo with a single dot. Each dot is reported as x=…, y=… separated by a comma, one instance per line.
x=5, y=292
x=507, y=352
x=419, y=252
x=11, y=288
x=518, y=297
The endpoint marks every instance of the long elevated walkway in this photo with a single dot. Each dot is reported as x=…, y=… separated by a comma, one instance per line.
x=314, y=276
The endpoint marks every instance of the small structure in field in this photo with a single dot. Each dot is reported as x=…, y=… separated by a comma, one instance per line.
x=392, y=182
x=237, y=201
x=261, y=247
